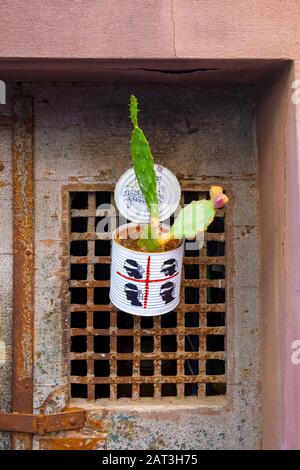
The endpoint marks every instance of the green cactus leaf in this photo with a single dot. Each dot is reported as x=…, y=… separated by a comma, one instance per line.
x=193, y=219
x=143, y=164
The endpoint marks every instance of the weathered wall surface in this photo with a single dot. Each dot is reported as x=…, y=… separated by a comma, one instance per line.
x=150, y=29
x=6, y=294
x=82, y=135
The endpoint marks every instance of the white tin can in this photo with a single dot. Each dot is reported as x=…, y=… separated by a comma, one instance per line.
x=145, y=284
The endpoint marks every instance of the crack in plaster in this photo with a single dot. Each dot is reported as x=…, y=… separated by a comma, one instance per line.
x=174, y=28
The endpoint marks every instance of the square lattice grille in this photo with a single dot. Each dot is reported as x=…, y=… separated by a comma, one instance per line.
x=115, y=355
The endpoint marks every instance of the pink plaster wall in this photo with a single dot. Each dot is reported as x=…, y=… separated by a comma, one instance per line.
x=291, y=378
x=150, y=28
x=279, y=185
x=271, y=120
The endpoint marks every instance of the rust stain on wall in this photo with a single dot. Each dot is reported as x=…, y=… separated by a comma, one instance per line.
x=47, y=242
x=248, y=229
x=47, y=174
x=23, y=267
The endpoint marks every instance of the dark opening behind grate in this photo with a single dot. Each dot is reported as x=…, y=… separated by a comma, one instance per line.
x=116, y=355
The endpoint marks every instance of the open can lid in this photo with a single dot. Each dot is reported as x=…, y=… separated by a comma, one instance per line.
x=130, y=200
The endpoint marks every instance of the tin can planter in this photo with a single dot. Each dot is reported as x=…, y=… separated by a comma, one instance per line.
x=145, y=284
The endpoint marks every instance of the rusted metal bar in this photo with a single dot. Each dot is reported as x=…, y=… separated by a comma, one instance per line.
x=107, y=236
x=90, y=284
x=23, y=264
x=41, y=424
x=187, y=260
x=197, y=355
x=181, y=330
x=90, y=294
x=113, y=362
x=136, y=356
x=157, y=362
x=92, y=212
x=156, y=380
x=90, y=260
x=105, y=212
x=182, y=307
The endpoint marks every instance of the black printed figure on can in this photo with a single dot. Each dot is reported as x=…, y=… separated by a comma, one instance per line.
x=169, y=267
x=167, y=292
x=134, y=269
x=133, y=294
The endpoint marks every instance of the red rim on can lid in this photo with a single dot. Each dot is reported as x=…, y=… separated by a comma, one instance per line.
x=130, y=200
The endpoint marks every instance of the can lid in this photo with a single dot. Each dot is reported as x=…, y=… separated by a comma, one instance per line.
x=131, y=202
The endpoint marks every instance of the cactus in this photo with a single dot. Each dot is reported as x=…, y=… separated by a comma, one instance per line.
x=143, y=164
x=192, y=219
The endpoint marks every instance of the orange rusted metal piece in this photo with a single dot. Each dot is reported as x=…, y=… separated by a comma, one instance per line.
x=23, y=263
x=41, y=424
x=71, y=443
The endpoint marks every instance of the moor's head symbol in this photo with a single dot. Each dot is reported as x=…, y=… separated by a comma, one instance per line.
x=133, y=269
x=133, y=294
x=169, y=267
x=167, y=291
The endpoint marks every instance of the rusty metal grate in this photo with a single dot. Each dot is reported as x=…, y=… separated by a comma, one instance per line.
x=115, y=355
